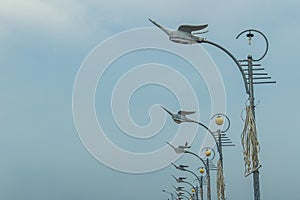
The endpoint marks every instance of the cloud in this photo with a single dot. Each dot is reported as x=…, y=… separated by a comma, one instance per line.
x=75, y=19
x=34, y=15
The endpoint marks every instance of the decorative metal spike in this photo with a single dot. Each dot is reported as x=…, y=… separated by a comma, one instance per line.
x=264, y=73
x=266, y=82
x=264, y=77
x=228, y=145
x=246, y=65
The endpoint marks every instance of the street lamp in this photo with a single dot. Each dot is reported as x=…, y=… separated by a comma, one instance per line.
x=219, y=137
x=182, y=180
x=184, y=168
x=181, y=189
x=202, y=171
x=209, y=153
x=181, y=194
x=248, y=69
x=172, y=195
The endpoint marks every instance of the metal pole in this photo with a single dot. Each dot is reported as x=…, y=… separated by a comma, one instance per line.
x=208, y=180
x=201, y=188
x=220, y=183
x=196, y=188
x=252, y=107
x=250, y=91
x=206, y=165
x=220, y=147
x=191, y=186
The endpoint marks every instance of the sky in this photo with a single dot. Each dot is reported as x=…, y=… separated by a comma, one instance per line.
x=48, y=46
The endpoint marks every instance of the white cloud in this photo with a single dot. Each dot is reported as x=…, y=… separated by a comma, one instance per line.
x=100, y=19
x=36, y=15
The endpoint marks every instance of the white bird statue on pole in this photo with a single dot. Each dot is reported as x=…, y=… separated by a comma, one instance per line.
x=180, y=116
x=185, y=34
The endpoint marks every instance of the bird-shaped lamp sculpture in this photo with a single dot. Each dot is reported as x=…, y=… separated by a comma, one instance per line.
x=179, y=179
x=178, y=189
x=180, y=149
x=180, y=116
x=185, y=34
x=186, y=146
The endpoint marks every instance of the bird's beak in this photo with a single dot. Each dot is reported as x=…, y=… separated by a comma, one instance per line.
x=167, y=31
x=170, y=145
x=153, y=22
x=167, y=111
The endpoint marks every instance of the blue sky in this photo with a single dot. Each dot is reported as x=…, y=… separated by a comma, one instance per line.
x=44, y=43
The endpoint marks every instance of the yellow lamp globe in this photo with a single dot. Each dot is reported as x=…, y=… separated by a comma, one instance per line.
x=207, y=152
x=201, y=170
x=219, y=120
x=193, y=190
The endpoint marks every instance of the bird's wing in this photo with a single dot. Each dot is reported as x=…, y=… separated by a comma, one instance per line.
x=186, y=112
x=191, y=28
x=183, y=166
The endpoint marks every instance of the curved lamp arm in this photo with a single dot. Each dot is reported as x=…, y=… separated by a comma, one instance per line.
x=212, y=133
x=203, y=162
x=233, y=58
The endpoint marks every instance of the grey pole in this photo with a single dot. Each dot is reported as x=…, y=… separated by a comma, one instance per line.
x=201, y=188
x=249, y=87
x=251, y=100
x=208, y=180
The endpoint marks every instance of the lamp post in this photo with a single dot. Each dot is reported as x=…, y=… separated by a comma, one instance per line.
x=219, y=137
x=172, y=195
x=183, y=168
x=201, y=170
x=182, y=180
x=250, y=78
x=248, y=69
x=210, y=156
x=180, y=189
x=181, y=194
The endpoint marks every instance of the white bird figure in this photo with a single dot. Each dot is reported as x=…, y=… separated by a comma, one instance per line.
x=179, y=179
x=178, y=189
x=180, y=116
x=185, y=34
x=178, y=150
x=186, y=146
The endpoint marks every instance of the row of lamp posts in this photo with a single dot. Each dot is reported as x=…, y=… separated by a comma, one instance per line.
x=219, y=137
x=251, y=75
